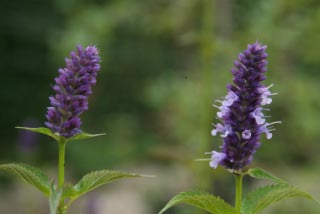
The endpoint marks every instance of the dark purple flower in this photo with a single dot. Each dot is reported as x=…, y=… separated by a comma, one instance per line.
x=241, y=111
x=72, y=87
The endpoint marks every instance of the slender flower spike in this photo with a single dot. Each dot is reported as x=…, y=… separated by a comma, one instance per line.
x=73, y=87
x=241, y=111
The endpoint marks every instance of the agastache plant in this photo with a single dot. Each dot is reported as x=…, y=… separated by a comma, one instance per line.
x=242, y=120
x=72, y=89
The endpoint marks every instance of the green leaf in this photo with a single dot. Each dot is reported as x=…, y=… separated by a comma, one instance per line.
x=29, y=174
x=48, y=132
x=262, y=197
x=263, y=174
x=96, y=179
x=67, y=191
x=41, y=130
x=203, y=200
x=54, y=199
x=83, y=135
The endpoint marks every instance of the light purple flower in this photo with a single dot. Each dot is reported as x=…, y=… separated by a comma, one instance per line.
x=230, y=99
x=264, y=129
x=267, y=128
x=258, y=116
x=225, y=130
x=265, y=93
x=246, y=134
x=224, y=110
x=216, y=157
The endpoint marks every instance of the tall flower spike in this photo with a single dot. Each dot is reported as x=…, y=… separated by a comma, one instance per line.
x=241, y=112
x=73, y=87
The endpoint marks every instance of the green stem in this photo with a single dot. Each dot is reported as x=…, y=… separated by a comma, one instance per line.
x=62, y=149
x=238, y=193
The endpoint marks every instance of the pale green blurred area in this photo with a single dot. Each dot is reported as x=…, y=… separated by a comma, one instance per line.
x=164, y=63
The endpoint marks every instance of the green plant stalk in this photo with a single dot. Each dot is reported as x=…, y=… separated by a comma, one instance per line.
x=61, y=163
x=238, y=198
x=62, y=149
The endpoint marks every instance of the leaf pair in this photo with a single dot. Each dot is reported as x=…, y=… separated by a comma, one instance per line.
x=48, y=132
x=41, y=181
x=254, y=203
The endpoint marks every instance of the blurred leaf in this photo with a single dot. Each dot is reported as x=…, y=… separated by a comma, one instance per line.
x=263, y=174
x=41, y=130
x=54, y=199
x=203, y=200
x=67, y=191
x=29, y=174
x=262, y=197
x=84, y=135
x=95, y=179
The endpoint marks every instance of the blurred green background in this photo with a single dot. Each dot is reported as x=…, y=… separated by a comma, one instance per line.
x=164, y=62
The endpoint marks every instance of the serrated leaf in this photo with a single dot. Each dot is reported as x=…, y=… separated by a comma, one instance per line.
x=54, y=199
x=203, y=200
x=84, y=135
x=263, y=174
x=30, y=174
x=262, y=197
x=42, y=130
x=96, y=179
x=67, y=191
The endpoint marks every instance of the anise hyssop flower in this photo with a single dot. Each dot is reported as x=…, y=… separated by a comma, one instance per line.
x=72, y=87
x=241, y=111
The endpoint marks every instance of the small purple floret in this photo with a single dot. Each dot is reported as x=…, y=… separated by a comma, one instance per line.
x=241, y=112
x=216, y=157
x=73, y=87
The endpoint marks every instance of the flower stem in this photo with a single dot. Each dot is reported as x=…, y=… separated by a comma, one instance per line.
x=62, y=149
x=238, y=198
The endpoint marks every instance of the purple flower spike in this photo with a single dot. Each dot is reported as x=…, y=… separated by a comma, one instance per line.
x=241, y=111
x=73, y=87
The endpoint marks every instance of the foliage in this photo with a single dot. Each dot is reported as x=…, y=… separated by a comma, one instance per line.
x=203, y=200
x=48, y=132
x=95, y=179
x=29, y=174
x=262, y=197
x=89, y=182
x=253, y=203
x=153, y=61
x=56, y=194
x=263, y=174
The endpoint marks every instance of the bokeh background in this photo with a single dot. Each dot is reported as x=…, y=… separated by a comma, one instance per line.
x=164, y=62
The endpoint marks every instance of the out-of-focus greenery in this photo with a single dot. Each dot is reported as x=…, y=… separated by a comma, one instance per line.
x=163, y=64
